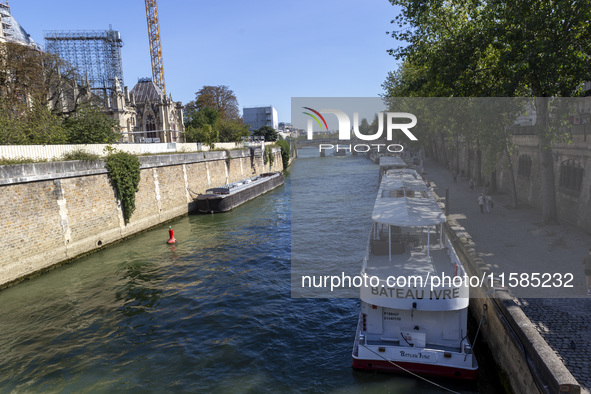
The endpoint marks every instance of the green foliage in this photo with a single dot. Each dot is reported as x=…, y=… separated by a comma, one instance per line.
x=500, y=48
x=33, y=86
x=80, y=154
x=89, y=125
x=195, y=117
x=231, y=130
x=10, y=162
x=221, y=98
x=10, y=132
x=269, y=157
x=208, y=126
x=285, y=153
x=36, y=125
x=124, y=171
x=201, y=125
x=497, y=48
x=364, y=126
x=205, y=134
x=39, y=125
x=268, y=132
x=43, y=127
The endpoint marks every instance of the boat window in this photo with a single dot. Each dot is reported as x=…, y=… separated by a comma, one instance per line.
x=416, y=193
x=393, y=193
x=404, y=192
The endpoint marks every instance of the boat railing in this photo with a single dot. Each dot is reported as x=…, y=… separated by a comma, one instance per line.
x=358, y=337
x=456, y=263
x=235, y=185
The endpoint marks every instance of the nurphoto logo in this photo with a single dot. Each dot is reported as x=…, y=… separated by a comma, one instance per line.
x=345, y=129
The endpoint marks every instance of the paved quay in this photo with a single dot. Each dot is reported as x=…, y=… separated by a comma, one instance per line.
x=514, y=240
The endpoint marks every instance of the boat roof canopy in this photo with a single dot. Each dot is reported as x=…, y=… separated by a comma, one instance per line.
x=392, y=161
x=405, y=200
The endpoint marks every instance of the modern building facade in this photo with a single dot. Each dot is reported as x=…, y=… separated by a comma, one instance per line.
x=257, y=117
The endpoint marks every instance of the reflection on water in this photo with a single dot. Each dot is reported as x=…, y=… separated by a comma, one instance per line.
x=141, y=289
x=212, y=313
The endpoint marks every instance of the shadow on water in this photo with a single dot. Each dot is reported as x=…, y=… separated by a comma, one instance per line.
x=141, y=290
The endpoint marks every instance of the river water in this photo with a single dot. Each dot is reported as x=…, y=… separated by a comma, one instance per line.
x=213, y=313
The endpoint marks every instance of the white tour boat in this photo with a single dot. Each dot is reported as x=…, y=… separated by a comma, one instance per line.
x=390, y=163
x=413, y=316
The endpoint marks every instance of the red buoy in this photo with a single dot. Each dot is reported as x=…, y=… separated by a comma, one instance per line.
x=171, y=235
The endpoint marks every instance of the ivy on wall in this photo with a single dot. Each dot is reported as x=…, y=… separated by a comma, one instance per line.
x=285, y=152
x=124, y=171
x=268, y=157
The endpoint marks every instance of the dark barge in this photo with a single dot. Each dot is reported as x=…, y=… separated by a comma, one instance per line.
x=227, y=197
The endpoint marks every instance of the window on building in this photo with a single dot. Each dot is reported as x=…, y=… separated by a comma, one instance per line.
x=151, y=126
x=571, y=175
x=524, y=166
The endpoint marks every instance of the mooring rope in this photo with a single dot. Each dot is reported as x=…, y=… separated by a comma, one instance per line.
x=484, y=309
x=191, y=192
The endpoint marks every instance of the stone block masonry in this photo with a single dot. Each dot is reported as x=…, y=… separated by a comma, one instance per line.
x=53, y=212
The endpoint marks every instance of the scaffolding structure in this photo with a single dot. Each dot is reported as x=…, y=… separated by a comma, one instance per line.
x=5, y=24
x=95, y=54
x=11, y=30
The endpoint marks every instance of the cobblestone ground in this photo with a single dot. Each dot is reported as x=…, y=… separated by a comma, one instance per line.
x=565, y=325
x=514, y=240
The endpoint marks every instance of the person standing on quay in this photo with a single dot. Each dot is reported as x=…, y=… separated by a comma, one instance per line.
x=471, y=184
x=587, y=264
x=488, y=202
x=481, y=200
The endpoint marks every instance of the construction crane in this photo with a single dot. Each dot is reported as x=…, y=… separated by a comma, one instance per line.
x=155, y=48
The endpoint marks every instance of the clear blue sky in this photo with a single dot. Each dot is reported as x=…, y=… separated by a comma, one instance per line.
x=265, y=51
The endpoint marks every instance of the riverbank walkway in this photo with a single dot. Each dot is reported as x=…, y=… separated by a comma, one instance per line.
x=514, y=240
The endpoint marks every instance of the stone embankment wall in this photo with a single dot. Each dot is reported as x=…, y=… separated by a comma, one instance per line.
x=573, y=204
x=52, y=212
x=526, y=360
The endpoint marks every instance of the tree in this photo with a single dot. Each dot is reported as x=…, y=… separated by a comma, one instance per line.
x=37, y=126
x=199, y=117
x=364, y=126
x=201, y=124
x=231, y=131
x=44, y=127
x=205, y=134
x=30, y=76
x=36, y=90
x=89, y=125
x=546, y=48
x=24, y=115
x=268, y=132
x=221, y=98
x=498, y=48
